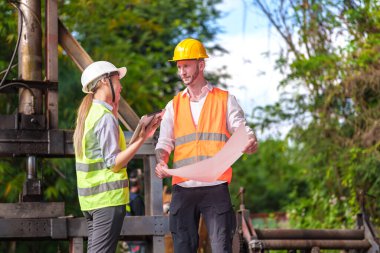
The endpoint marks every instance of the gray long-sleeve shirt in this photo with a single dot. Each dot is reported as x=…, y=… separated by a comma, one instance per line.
x=107, y=134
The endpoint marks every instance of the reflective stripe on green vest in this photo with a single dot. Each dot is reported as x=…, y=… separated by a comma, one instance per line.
x=99, y=186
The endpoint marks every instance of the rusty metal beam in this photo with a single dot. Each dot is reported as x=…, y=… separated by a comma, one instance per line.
x=32, y=210
x=67, y=227
x=59, y=143
x=72, y=47
x=308, y=244
x=128, y=115
x=51, y=48
x=320, y=234
x=80, y=57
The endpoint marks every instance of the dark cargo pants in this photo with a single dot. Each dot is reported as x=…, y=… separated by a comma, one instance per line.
x=214, y=204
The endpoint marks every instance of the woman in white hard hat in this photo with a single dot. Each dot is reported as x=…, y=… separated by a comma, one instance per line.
x=101, y=155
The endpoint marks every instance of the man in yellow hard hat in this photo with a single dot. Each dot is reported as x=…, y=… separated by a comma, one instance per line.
x=197, y=123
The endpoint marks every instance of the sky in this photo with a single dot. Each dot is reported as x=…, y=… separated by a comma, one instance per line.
x=253, y=78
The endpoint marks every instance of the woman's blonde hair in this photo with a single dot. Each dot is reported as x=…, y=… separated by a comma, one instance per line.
x=82, y=113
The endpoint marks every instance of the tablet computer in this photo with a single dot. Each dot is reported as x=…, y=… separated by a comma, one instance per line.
x=145, y=121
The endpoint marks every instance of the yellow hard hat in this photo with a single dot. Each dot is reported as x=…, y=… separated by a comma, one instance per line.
x=189, y=49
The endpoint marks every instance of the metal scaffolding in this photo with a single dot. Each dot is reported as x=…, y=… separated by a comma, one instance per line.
x=33, y=132
x=249, y=240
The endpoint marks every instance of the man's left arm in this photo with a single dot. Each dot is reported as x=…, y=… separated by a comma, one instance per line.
x=235, y=117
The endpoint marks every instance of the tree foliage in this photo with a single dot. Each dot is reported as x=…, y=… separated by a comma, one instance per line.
x=332, y=100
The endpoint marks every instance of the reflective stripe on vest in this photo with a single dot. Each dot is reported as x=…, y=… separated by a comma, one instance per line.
x=188, y=161
x=90, y=167
x=201, y=136
x=193, y=144
x=98, y=185
x=102, y=188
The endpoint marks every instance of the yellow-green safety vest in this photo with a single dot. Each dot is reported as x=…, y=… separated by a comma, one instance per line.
x=98, y=185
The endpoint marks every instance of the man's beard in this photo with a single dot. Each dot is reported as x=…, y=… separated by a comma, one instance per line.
x=192, y=77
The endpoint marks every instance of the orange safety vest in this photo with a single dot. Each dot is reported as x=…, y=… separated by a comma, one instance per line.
x=193, y=144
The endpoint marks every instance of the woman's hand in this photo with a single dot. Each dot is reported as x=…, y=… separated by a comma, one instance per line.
x=148, y=131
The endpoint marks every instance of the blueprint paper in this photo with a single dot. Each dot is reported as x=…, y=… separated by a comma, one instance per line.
x=210, y=169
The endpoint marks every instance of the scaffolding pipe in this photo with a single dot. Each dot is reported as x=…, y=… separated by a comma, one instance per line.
x=308, y=244
x=32, y=172
x=319, y=234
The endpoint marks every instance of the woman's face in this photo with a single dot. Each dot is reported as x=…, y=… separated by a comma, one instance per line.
x=104, y=90
x=117, y=87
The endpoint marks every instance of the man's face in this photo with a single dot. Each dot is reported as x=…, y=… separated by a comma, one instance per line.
x=188, y=71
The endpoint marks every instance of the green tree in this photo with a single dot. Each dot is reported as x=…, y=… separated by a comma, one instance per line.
x=331, y=63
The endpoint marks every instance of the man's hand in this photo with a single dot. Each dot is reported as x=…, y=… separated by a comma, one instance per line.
x=252, y=145
x=160, y=173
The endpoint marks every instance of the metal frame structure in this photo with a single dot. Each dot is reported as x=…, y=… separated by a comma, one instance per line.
x=34, y=133
x=250, y=240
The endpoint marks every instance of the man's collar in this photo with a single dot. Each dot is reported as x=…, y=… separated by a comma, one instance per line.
x=208, y=87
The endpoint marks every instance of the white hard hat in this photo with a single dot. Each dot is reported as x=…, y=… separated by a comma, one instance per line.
x=96, y=70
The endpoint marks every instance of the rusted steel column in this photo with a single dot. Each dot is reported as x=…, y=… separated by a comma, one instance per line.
x=51, y=48
x=30, y=68
x=320, y=234
x=309, y=244
x=30, y=56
